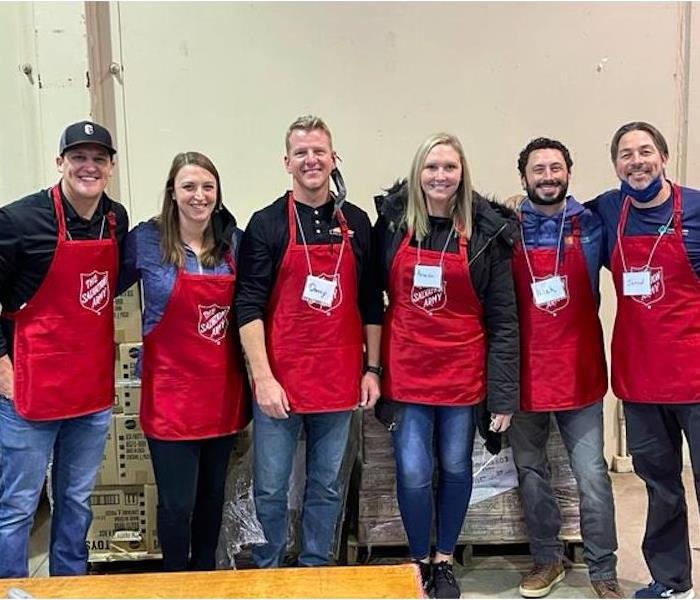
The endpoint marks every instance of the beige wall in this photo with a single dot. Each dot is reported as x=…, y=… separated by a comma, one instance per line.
x=19, y=156
x=50, y=38
x=227, y=78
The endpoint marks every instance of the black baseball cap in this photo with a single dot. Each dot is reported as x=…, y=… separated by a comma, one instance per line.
x=85, y=132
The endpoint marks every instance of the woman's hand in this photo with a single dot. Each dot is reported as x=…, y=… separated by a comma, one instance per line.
x=500, y=422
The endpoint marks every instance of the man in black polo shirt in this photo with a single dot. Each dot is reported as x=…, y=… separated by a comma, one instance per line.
x=59, y=257
x=307, y=292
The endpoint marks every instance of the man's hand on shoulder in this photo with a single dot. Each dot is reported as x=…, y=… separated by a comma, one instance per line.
x=512, y=202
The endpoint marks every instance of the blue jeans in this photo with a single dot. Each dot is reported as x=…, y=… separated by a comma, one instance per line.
x=451, y=430
x=274, y=443
x=582, y=433
x=25, y=450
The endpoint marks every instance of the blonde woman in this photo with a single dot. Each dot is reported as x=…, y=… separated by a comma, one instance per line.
x=449, y=341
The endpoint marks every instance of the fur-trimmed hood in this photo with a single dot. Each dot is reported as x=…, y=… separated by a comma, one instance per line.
x=492, y=219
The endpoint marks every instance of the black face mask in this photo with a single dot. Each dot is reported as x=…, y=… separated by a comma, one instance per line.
x=340, y=189
x=535, y=199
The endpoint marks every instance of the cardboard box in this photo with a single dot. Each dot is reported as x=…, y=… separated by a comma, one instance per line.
x=107, y=474
x=133, y=457
x=118, y=521
x=127, y=394
x=125, y=365
x=153, y=543
x=127, y=316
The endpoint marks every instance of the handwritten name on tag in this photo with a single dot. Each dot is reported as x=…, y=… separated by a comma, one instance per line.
x=319, y=290
x=427, y=277
x=636, y=283
x=548, y=290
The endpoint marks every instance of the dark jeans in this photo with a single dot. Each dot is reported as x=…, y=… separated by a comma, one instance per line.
x=582, y=433
x=191, y=477
x=655, y=441
x=450, y=429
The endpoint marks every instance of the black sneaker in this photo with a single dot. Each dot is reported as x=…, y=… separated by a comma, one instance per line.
x=426, y=576
x=659, y=590
x=444, y=582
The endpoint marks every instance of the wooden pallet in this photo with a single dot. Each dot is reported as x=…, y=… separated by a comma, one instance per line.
x=478, y=555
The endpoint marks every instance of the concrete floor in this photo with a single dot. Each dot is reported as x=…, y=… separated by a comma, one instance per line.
x=486, y=578
x=499, y=576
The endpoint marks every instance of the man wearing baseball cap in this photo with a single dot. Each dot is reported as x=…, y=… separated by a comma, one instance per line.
x=59, y=256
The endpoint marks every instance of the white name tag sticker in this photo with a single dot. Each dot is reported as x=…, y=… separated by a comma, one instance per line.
x=548, y=290
x=318, y=290
x=636, y=283
x=427, y=277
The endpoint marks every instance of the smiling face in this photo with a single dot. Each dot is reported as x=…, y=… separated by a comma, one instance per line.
x=85, y=171
x=309, y=160
x=638, y=161
x=195, y=193
x=440, y=178
x=546, y=178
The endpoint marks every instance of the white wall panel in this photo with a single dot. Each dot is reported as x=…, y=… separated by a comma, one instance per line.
x=50, y=38
x=227, y=78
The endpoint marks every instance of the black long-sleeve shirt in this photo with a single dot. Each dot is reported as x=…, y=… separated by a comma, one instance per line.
x=264, y=244
x=28, y=237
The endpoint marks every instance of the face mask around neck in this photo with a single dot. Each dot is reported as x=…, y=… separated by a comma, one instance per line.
x=646, y=195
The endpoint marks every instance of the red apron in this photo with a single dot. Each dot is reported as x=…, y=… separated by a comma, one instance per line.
x=433, y=340
x=656, y=339
x=63, y=354
x=316, y=352
x=192, y=383
x=561, y=344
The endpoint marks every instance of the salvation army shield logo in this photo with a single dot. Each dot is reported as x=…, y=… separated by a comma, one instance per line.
x=213, y=322
x=556, y=306
x=429, y=299
x=94, y=291
x=337, y=295
x=658, y=290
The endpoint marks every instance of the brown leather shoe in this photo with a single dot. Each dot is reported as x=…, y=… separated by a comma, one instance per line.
x=607, y=588
x=541, y=580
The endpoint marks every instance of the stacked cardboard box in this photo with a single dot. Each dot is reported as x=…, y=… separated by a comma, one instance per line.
x=124, y=500
x=123, y=522
x=497, y=519
x=127, y=316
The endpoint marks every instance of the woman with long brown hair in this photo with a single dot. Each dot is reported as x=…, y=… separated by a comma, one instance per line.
x=194, y=393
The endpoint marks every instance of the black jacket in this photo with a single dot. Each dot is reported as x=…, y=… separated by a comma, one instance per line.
x=489, y=251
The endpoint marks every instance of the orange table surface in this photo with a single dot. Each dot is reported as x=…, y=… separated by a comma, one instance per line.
x=390, y=581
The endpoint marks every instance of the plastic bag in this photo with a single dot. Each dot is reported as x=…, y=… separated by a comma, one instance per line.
x=239, y=526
